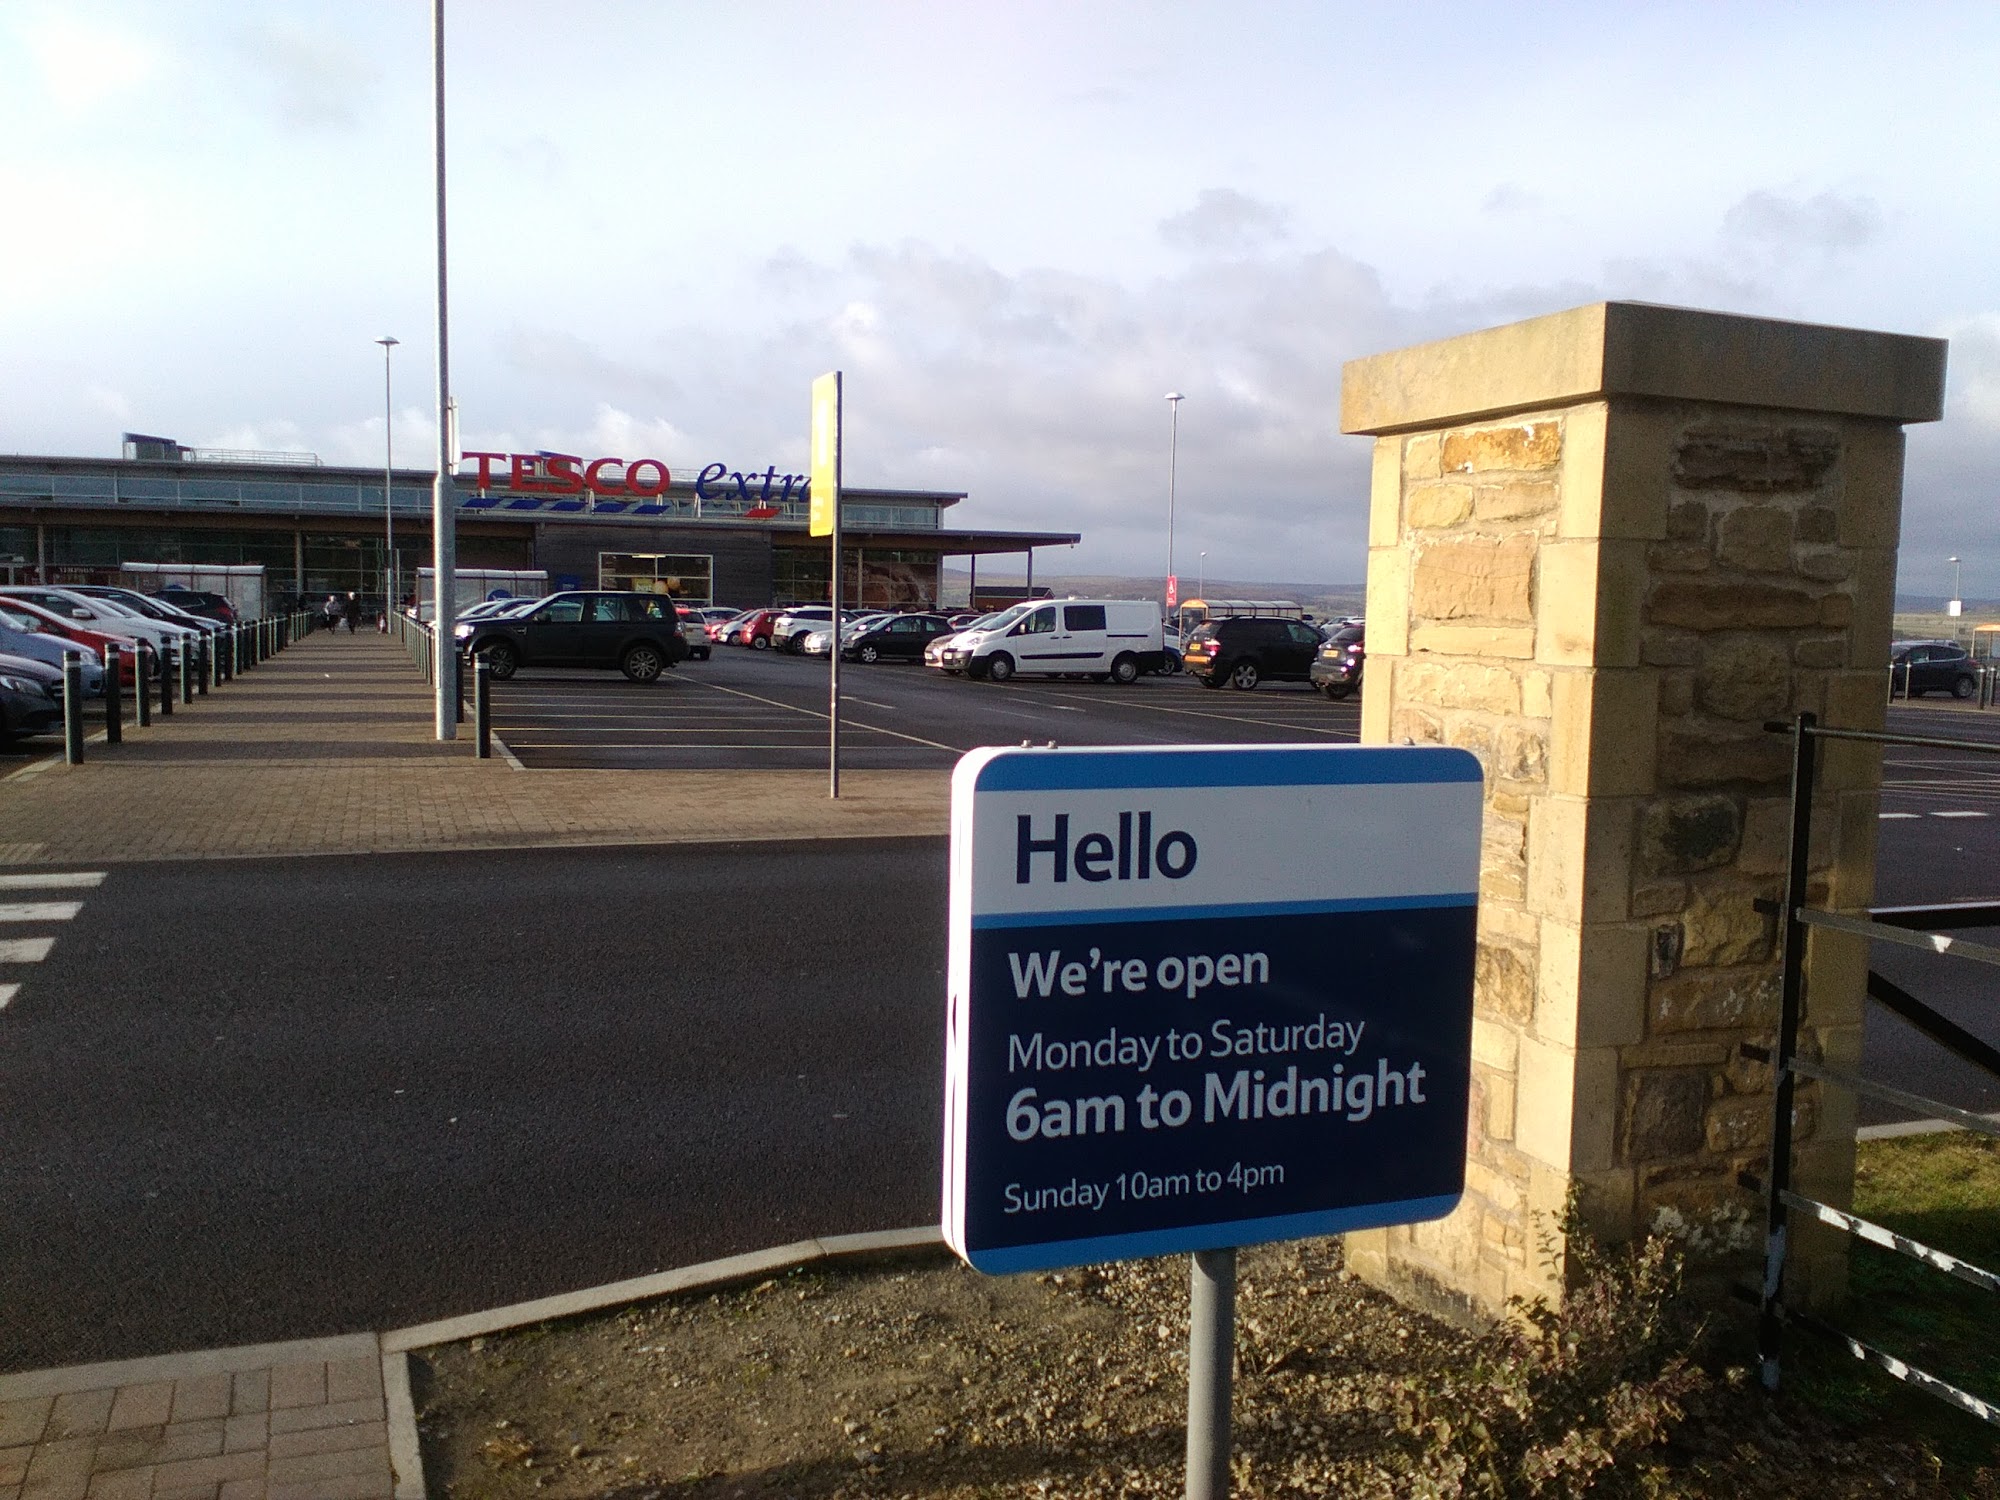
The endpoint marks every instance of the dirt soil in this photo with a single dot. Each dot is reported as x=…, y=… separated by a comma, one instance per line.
x=923, y=1378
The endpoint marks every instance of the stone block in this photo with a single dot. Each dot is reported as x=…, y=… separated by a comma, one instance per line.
x=1590, y=598
x=1385, y=494
x=1503, y=859
x=1871, y=485
x=1836, y=609
x=1676, y=694
x=1503, y=984
x=1603, y=736
x=1494, y=1045
x=1755, y=539
x=1679, y=557
x=1422, y=456
x=1470, y=685
x=1687, y=521
x=1432, y=507
x=1377, y=694
x=1566, y=1105
x=1657, y=898
x=1666, y=1114
x=1388, y=604
x=1413, y=726
x=1516, y=500
x=1514, y=641
x=1683, y=835
x=1498, y=1116
x=1704, y=604
x=1521, y=754
x=1851, y=886
x=1591, y=985
x=1714, y=1000
x=1580, y=858
x=1754, y=458
x=1873, y=589
x=1744, y=677
x=1537, y=694
x=1702, y=756
x=1820, y=651
x=1473, y=578
x=1721, y=927
x=1518, y=445
x=1816, y=525
x=1823, y=564
x=1767, y=836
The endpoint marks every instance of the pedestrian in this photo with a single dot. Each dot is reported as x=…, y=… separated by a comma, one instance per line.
x=330, y=611
x=351, y=612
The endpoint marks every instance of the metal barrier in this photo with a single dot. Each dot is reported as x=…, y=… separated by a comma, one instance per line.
x=1985, y=683
x=1923, y=927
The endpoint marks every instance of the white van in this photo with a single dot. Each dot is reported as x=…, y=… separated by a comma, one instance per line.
x=1113, y=639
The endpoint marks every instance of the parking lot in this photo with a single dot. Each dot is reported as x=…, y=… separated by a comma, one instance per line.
x=763, y=710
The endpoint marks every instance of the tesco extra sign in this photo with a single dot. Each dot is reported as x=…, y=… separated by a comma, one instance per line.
x=645, y=478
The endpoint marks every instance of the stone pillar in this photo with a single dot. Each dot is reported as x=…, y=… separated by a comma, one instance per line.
x=1604, y=547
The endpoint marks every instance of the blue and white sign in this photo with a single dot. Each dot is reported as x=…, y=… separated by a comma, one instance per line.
x=1205, y=996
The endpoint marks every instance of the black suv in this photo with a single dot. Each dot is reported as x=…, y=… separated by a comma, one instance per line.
x=1244, y=652
x=1336, y=671
x=1919, y=667
x=639, y=634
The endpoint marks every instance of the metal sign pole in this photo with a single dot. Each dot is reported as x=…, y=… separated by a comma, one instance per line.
x=824, y=520
x=1211, y=1372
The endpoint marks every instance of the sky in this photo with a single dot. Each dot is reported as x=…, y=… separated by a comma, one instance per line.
x=1015, y=227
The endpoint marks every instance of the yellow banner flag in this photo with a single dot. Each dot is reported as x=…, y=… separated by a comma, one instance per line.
x=825, y=483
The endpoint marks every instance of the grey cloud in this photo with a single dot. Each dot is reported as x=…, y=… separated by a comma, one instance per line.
x=1509, y=199
x=313, y=79
x=1224, y=221
x=547, y=354
x=1827, y=222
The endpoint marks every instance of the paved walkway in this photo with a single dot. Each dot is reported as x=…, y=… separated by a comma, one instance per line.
x=328, y=748
x=306, y=1421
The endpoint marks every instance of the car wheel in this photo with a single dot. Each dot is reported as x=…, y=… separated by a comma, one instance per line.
x=1173, y=666
x=1209, y=681
x=1125, y=670
x=760, y=643
x=869, y=654
x=642, y=662
x=999, y=667
x=1335, y=691
x=1243, y=676
x=1962, y=688
x=501, y=660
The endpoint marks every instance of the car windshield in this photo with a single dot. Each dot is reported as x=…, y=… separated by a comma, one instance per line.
x=1001, y=620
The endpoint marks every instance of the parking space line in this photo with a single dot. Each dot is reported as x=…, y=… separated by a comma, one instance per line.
x=1961, y=813
x=851, y=723
x=1198, y=713
x=1888, y=815
x=25, y=950
x=52, y=880
x=8, y=992
x=39, y=911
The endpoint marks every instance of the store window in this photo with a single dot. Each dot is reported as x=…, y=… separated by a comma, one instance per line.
x=688, y=577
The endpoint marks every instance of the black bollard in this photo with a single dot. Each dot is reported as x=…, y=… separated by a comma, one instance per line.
x=458, y=686
x=204, y=666
x=482, y=708
x=142, y=688
x=114, y=695
x=73, y=707
x=170, y=661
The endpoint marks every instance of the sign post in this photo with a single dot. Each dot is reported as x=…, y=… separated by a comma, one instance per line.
x=823, y=513
x=1203, y=997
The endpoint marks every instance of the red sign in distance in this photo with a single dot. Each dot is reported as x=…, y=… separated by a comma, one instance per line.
x=566, y=474
x=1173, y=590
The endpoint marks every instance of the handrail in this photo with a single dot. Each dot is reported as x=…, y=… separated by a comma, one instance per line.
x=1891, y=1095
x=1877, y=737
x=1929, y=942
x=1946, y=1032
x=1948, y=915
x=1888, y=1239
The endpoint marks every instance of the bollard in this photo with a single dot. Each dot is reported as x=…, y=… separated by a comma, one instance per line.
x=482, y=708
x=205, y=667
x=458, y=685
x=114, y=695
x=169, y=666
x=142, y=687
x=73, y=707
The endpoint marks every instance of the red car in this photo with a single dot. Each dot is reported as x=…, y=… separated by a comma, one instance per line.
x=19, y=614
x=756, y=631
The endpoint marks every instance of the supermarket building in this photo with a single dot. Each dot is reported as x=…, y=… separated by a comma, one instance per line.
x=715, y=535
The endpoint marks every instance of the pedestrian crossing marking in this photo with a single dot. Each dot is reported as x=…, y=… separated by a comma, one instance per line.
x=25, y=950
x=1961, y=814
x=7, y=992
x=53, y=880
x=39, y=911
x=1897, y=815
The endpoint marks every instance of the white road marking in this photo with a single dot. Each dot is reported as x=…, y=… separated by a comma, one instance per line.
x=1899, y=815
x=1961, y=814
x=25, y=950
x=54, y=880
x=39, y=911
x=8, y=992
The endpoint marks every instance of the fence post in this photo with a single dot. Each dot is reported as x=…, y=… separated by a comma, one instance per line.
x=73, y=707
x=114, y=695
x=142, y=689
x=482, y=708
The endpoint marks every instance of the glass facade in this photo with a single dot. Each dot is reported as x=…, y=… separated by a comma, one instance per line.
x=688, y=577
x=885, y=577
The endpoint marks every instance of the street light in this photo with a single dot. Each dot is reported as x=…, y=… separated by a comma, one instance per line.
x=1174, y=399
x=1201, y=578
x=390, y=595
x=1957, y=605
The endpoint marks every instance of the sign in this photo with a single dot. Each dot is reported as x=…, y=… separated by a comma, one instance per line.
x=823, y=485
x=1205, y=996
x=756, y=495
x=1173, y=590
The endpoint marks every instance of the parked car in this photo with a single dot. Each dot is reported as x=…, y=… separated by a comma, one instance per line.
x=103, y=615
x=639, y=634
x=151, y=608
x=52, y=651
x=1336, y=670
x=696, y=638
x=31, y=698
x=791, y=627
x=894, y=638
x=1244, y=651
x=199, y=602
x=20, y=614
x=723, y=632
x=1112, y=639
x=1919, y=667
x=937, y=652
x=756, y=631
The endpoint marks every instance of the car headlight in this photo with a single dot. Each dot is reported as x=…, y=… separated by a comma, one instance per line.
x=463, y=628
x=19, y=684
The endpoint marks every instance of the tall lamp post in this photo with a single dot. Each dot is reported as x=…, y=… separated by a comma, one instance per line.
x=391, y=596
x=444, y=517
x=1201, y=578
x=1174, y=399
x=1957, y=605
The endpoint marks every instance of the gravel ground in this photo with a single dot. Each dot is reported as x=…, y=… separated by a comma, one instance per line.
x=923, y=1378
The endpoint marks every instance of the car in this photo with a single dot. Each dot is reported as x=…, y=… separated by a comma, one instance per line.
x=1113, y=640
x=199, y=602
x=1919, y=667
x=893, y=638
x=723, y=632
x=102, y=615
x=1244, y=650
x=20, y=614
x=756, y=630
x=790, y=628
x=639, y=634
x=152, y=609
x=698, y=646
x=937, y=651
x=1336, y=670
x=51, y=651
x=31, y=698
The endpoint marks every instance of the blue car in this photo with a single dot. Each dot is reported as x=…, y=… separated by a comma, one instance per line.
x=50, y=650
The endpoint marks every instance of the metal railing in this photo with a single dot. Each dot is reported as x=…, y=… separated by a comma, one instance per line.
x=1930, y=929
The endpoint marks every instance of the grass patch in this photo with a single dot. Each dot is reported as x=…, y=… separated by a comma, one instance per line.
x=1943, y=1190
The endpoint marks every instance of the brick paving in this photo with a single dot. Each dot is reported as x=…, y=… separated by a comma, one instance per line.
x=307, y=1421
x=327, y=748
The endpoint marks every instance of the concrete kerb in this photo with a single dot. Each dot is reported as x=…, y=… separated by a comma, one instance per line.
x=1904, y=1128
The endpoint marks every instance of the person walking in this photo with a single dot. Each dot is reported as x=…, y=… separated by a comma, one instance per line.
x=330, y=612
x=351, y=612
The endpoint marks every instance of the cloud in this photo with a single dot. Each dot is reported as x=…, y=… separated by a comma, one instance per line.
x=1509, y=200
x=1226, y=222
x=82, y=64
x=314, y=80
x=1827, y=222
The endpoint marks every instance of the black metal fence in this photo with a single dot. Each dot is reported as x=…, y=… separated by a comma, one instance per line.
x=1930, y=929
